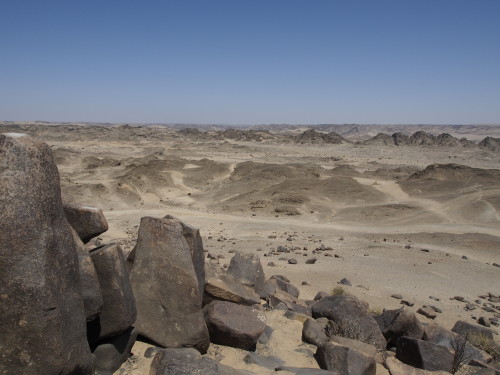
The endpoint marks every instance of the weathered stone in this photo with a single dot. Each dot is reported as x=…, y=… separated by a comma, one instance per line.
x=166, y=287
x=397, y=323
x=344, y=360
x=462, y=327
x=314, y=333
x=42, y=315
x=427, y=311
x=88, y=222
x=89, y=282
x=226, y=288
x=424, y=354
x=266, y=335
x=111, y=353
x=397, y=367
x=350, y=314
x=119, y=311
x=247, y=269
x=233, y=325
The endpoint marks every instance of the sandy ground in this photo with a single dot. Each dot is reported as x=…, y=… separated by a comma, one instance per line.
x=435, y=235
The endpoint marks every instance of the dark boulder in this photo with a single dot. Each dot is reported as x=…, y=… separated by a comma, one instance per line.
x=313, y=332
x=182, y=362
x=424, y=354
x=344, y=360
x=166, y=288
x=119, y=311
x=247, y=269
x=88, y=222
x=350, y=319
x=463, y=328
x=233, y=325
x=111, y=353
x=397, y=323
x=42, y=315
x=89, y=282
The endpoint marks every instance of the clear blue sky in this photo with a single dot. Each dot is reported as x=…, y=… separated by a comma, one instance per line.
x=251, y=61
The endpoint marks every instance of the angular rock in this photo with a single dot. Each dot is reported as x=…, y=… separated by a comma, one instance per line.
x=362, y=347
x=397, y=367
x=424, y=354
x=344, y=360
x=226, y=288
x=111, y=353
x=350, y=315
x=427, y=311
x=42, y=315
x=286, y=286
x=165, y=286
x=195, y=243
x=247, y=269
x=397, y=323
x=266, y=335
x=463, y=328
x=88, y=222
x=233, y=325
x=119, y=310
x=314, y=333
x=89, y=282
x=292, y=303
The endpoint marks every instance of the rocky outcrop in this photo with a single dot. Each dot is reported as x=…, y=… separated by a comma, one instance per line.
x=314, y=137
x=41, y=309
x=490, y=143
x=166, y=287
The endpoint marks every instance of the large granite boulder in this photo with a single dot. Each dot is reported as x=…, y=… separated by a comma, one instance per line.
x=42, y=316
x=119, y=311
x=350, y=318
x=233, y=325
x=166, y=287
x=88, y=222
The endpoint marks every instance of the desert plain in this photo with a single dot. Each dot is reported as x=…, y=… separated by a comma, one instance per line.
x=418, y=220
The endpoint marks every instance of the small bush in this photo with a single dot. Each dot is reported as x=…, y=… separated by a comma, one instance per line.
x=484, y=343
x=337, y=291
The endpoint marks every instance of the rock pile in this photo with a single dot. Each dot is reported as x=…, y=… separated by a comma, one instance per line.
x=65, y=309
